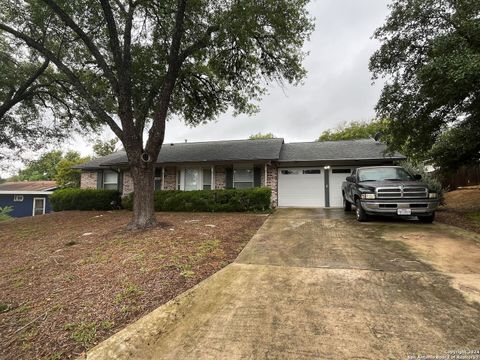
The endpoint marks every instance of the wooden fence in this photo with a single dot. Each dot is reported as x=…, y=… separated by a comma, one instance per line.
x=465, y=176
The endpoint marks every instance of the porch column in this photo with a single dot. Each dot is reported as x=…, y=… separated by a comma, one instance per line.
x=212, y=186
x=266, y=174
x=163, y=178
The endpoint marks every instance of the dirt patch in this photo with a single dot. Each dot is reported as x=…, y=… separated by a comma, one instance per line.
x=450, y=250
x=69, y=280
x=462, y=209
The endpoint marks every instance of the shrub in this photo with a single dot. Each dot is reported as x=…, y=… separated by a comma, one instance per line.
x=5, y=213
x=427, y=178
x=223, y=200
x=84, y=199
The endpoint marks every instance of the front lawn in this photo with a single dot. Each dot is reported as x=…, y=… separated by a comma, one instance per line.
x=462, y=209
x=69, y=280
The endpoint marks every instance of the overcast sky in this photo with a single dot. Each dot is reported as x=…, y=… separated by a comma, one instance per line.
x=338, y=86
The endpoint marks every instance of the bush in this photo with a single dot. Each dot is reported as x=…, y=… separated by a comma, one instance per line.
x=84, y=199
x=5, y=213
x=427, y=178
x=224, y=200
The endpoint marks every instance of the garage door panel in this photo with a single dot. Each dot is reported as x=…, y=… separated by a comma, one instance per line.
x=301, y=187
x=337, y=177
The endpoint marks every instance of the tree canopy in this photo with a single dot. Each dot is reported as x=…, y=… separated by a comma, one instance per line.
x=354, y=130
x=103, y=148
x=430, y=59
x=132, y=64
x=260, y=136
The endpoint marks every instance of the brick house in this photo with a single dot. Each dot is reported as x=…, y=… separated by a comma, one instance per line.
x=299, y=174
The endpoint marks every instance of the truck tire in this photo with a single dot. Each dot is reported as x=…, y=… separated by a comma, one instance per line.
x=362, y=216
x=347, y=205
x=427, y=219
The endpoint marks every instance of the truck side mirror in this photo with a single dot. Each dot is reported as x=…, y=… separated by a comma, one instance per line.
x=417, y=177
x=350, y=179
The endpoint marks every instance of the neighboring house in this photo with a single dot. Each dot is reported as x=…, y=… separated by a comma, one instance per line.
x=299, y=174
x=27, y=198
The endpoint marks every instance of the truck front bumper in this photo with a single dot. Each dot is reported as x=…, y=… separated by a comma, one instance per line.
x=391, y=206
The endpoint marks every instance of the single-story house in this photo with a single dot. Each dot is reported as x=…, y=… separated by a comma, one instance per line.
x=27, y=198
x=303, y=174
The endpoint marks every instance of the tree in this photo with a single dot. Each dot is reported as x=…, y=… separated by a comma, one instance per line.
x=261, y=136
x=354, y=130
x=66, y=176
x=430, y=58
x=44, y=168
x=103, y=148
x=132, y=64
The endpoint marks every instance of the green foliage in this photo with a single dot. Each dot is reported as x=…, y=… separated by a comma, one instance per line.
x=5, y=213
x=260, y=136
x=103, y=148
x=84, y=199
x=83, y=333
x=428, y=178
x=44, y=168
x=222, y=200
x=65, y=176
x=430, y=58
x=354, y=130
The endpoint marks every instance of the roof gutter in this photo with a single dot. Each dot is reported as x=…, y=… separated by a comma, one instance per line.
x=19, y=192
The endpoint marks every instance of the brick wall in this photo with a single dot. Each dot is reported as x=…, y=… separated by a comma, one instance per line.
x=88, y=180
x=170, y=178
x=127, y=183
x=272, y=182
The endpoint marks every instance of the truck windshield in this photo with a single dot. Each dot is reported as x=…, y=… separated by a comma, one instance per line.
x=384, y=174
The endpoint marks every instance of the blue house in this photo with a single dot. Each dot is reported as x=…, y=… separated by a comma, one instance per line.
x=27, y=198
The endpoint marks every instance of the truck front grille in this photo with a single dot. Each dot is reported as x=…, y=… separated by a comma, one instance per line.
x=399, y=192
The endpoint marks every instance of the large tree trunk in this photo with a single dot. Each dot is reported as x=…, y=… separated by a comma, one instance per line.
x=143, y=187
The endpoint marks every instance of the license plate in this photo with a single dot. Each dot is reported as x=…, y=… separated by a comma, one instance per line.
x=404, y=211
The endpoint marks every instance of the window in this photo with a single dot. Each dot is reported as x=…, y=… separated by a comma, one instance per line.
x=38, y=206
x=158, y=179
x=311, y=171
x=18, y=198
x=341, y=171
x=192, y=179
x=207, y=179
x=243, y=178
x=290, y=172
x=110, y=180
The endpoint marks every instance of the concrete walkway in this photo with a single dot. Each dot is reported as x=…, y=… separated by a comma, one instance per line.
x=315, y=284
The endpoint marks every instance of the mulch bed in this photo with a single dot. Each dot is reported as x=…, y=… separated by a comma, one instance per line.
x=459, y=207
x=69, y=280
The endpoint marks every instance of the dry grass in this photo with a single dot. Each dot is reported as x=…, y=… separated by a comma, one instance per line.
x=69, y=280
x=462, y=209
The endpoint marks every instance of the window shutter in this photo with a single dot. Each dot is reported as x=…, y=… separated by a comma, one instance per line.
x=229, y=178
x=257, y=177
x=120, y=182
x=100, y=179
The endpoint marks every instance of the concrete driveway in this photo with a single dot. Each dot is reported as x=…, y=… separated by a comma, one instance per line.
x=315, y=284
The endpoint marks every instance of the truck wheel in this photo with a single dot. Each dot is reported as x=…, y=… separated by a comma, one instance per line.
x=347, y=205
x=427, y=219
x=361, y=214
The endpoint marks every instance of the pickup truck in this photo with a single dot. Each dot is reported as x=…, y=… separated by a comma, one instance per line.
x=388, y=190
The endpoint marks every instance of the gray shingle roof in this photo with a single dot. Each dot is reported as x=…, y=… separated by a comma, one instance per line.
x=336, y=150
x=197, y=152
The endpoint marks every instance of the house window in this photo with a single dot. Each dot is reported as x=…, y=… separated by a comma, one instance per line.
x=158, y=179
x=290, y=172
x=311, y=171
x=18, y=198
x=191, y=180
x=110, y=180
x=207, y=179
x=243, y=178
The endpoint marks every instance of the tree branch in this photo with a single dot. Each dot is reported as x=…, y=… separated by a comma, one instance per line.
x=86, y=40
x=200, y=43
x=93, y=104
x=112, y=35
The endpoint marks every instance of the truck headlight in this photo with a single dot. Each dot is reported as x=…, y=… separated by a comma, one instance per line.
x=368, y=196
x=432, y=195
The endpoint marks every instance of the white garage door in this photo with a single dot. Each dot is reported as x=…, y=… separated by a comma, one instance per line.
x=301, y=187
x=337, y=177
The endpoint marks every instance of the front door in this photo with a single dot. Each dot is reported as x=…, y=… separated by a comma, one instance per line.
x=38, y=206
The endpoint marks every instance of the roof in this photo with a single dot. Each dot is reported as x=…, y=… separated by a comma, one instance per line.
x=367, y=149
x=28, y=187
x=198, y=152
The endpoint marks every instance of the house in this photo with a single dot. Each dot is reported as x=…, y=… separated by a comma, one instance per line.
x=27, y=198
x=303, y=174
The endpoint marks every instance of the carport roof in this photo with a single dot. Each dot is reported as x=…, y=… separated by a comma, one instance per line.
x=337, y=150
x=198, y=152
